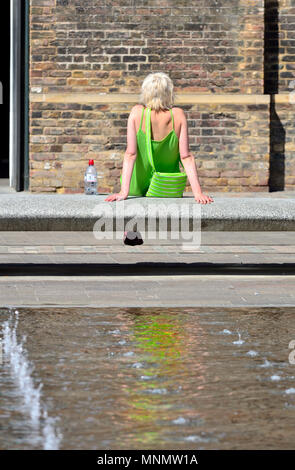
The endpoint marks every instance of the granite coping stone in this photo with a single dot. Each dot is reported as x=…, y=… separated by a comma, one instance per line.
x=67, y=212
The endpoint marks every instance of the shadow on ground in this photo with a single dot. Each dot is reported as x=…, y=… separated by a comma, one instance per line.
x=147, y=269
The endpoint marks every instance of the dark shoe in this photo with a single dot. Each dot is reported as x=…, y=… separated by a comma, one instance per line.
x=139, y=238
x=132, y=238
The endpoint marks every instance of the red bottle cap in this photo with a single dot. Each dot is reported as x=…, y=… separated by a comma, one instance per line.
x=91, y=162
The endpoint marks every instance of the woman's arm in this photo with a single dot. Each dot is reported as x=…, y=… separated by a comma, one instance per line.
x=189, y=163
x=129, y=159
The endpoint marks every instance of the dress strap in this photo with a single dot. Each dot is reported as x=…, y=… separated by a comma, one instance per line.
x=142, y=113
x=172, y=118
x=148, y=138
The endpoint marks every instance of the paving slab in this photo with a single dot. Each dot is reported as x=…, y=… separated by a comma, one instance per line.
x=81, y=249
x=229, y=269
x=141, y=291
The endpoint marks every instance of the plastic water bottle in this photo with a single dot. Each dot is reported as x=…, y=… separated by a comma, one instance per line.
x=90, y=179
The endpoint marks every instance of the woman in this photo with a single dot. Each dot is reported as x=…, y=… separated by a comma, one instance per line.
x=169, y=144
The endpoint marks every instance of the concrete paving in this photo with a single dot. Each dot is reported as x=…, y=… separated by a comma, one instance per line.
x=237, y=249
x=229, y=269
x=147, y=291
x=79, y=212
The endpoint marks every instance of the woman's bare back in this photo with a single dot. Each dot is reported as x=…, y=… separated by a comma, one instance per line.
x=161, y=122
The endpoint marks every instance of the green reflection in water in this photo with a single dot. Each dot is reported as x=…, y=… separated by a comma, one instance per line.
x=161, y=345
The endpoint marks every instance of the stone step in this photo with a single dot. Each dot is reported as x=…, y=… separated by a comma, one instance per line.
x=79, y=212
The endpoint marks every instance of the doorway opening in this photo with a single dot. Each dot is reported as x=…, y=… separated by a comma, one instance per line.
x=14, y=169
x=5, y=98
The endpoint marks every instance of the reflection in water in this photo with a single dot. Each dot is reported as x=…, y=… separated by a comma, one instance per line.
x=156, y=378
x=160, y=343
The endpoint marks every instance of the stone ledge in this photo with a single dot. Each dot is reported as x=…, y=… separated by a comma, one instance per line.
x=180, y=98
x=78, y=212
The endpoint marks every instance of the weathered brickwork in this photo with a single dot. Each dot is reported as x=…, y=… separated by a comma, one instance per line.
x=230, y=143
x=286, y=44
x=282, y=148
x=65, y=136
x=279, y=80
x=108, y=46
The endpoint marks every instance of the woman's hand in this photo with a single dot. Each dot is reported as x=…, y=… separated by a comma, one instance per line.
x=203, y=198
x=116, y=197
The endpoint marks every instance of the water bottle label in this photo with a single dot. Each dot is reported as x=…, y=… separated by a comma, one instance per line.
x=91, y=178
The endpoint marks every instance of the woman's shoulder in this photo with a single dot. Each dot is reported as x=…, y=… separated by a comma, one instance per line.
x=179, y=114
x=136, y=111
x=178, y=110
x=137, y=108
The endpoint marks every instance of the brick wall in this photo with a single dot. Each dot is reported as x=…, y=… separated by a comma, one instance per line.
x=279, y=74
x=282, y=145
x=65, y=136
x=108, y=46
x=284, y=66
x=230, y=143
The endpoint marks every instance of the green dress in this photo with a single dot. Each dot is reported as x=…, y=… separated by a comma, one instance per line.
x=166, y=158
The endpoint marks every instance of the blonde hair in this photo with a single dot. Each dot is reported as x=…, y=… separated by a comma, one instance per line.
x=157, y=91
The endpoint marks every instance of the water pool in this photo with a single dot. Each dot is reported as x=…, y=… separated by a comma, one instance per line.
x=147, y=378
